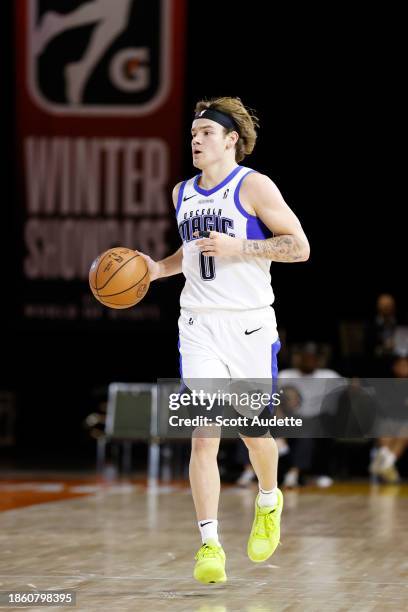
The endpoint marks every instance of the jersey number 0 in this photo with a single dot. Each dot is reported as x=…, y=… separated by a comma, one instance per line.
x=207, y=267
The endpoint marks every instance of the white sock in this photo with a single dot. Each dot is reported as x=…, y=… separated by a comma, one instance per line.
x=268, y=498
x=209, y=530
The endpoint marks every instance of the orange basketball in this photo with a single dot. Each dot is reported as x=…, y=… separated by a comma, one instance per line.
x=119, y=278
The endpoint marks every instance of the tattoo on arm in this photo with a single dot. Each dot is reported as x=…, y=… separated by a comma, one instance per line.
x=280, y=248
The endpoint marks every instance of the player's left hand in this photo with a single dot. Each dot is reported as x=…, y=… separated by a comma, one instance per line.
x=219, y=245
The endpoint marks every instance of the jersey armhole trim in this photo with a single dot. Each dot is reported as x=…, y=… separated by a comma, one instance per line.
x=237, y=201
x=180, y=196
x=255, y=228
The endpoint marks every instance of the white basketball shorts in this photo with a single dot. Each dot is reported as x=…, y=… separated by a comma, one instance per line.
x=228, y=344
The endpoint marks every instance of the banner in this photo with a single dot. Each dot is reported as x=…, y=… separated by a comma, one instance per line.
x=99, y=120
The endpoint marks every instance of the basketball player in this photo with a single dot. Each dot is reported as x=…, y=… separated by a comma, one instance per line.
x=233, y=222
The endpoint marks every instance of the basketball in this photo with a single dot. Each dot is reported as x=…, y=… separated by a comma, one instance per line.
x=119, y=278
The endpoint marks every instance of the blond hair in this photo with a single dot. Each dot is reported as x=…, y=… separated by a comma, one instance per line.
x=244, y=117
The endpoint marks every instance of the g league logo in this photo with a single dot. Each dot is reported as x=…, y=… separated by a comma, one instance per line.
x=107, y=57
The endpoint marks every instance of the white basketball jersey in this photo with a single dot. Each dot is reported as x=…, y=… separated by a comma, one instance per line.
x=217, y=283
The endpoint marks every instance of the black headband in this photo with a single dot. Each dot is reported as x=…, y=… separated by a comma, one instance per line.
x=222, y=118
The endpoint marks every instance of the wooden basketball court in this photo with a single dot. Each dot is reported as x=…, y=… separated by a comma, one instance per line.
x=120, y=546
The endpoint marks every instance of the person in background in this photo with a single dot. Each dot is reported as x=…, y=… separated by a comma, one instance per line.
x=390, y=449
x=380, y=335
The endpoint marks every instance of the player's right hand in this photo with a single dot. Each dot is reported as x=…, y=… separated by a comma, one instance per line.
x=153, y=266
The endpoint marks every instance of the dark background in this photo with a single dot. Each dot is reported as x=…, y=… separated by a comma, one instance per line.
x=327, y=89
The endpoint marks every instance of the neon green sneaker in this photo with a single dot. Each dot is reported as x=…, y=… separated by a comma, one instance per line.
x=265, y=533
x=210, y=566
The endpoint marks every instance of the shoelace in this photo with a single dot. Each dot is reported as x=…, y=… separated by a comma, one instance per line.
x=264, y=525
x=206, y=551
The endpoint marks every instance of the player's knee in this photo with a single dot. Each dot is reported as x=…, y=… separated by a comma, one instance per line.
x=204, y=445
x=258, y=443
